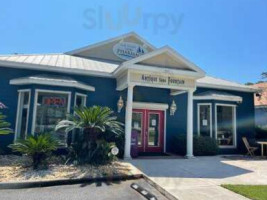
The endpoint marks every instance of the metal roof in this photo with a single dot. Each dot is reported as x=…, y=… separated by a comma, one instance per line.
x=62, y=61
x=217, y=95
x=89, y=66
x=44, y=79
x=212, y=82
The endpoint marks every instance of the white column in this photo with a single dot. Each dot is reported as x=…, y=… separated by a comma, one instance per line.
x=128, y=122
x=189, y=138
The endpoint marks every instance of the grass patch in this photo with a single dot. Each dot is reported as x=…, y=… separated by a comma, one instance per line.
x=255, y=192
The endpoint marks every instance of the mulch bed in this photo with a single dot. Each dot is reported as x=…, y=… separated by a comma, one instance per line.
x=17, y=168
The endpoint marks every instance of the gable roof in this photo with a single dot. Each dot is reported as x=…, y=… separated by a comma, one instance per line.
x=74, y=64
x=183, y=62
x=130, y=34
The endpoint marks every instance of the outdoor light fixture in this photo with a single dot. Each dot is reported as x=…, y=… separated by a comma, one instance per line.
x=120, y=104
x=173, y=108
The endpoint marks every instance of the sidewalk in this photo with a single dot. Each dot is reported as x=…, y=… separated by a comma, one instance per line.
x=200, y=178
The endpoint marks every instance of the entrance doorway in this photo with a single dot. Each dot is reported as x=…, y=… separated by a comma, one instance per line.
x=150, y=127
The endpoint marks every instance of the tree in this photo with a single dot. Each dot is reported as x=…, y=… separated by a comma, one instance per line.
x=94, y=122
x=4, y=126
x=264, y=75
x=37, y=147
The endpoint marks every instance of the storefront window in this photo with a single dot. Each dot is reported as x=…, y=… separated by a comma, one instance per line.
x=50, y=109
x=226, y=130
x=80, y=100
x=23, y=114
x=204, y=120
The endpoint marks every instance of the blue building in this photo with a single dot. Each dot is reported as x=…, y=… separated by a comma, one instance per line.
x=156, y=91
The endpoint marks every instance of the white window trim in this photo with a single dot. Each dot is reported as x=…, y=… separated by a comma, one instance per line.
x=18, y=110
x=82, y=95
x=198, y=117
x=47, y=91
x=228, y=98
x=235, y=132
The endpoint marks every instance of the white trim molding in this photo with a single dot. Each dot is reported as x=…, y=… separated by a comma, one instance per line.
x=150, y=106
x=51, y=82
x=81, y=95
x=234, y=126
x=198, y=117
x=227, y=98
x=20, y=107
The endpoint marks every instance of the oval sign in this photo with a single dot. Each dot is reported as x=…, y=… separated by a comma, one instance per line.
x=128, y=50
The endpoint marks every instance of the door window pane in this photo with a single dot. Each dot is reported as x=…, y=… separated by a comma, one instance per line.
x=225, y=125
x=204, y=120
x=153, y=130
x=51, y=108
x=137, y=125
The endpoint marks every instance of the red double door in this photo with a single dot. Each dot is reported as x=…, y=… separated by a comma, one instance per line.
x=150, y=127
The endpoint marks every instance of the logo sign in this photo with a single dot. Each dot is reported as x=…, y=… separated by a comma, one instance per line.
x=128, y=50
x=54, y=101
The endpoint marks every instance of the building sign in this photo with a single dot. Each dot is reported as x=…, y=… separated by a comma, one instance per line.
x=54, y=101
x=162, y=80
x=128, y=50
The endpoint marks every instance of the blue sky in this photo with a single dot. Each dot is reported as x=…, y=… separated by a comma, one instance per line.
x=226, y=38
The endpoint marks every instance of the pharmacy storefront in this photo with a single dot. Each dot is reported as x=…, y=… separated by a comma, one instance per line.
x=156, y=92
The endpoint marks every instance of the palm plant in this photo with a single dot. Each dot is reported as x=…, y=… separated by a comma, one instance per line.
x=94, y=122
x=4, y=126
x=37, y=147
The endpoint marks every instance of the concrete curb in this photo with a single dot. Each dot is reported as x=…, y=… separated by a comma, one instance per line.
x=47, y=183
x=159, y=188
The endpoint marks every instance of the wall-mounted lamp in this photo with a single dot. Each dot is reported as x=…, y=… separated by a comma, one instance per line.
x=173, y=108
x=120, y=104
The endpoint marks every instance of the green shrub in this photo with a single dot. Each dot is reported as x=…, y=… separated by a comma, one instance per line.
x=261, y=133
x=37, y=147
x=202, y=146
x=4, y=126
x=96, y=124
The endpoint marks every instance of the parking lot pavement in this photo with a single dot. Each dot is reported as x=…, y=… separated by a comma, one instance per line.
x=95, y=191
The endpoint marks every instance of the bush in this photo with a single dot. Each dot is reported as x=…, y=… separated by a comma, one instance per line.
x=261, y=133
x=97, y=153
x=98, y=127
x=37, y=147
x=202, y=146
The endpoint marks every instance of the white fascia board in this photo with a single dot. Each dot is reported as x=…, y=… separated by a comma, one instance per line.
x=165, y=49
x=164, y=71
x=27, y=81
x=86, y=48
x=150, y=106
x=235, y=99
x=224, y=87
x=174, y=93
x=53, y=69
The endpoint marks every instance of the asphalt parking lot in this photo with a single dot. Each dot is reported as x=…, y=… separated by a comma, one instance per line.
x=95, y=191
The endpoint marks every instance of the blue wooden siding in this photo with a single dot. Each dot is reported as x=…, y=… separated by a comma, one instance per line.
x=107, y=95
